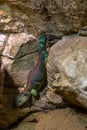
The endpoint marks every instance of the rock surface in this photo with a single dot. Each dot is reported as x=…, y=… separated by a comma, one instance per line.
x=62, y=119
x=54, y=17
x=67, y=70
x=17, y=58
x=20, y=23
x=1, y=85
x=8, y=117
x=16, y=52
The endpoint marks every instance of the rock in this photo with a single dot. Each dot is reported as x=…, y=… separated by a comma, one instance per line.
x=56, y=15
x=1, y=86
x=65, y=119
x=55, y=99
x=8, y=117
x=55, y=18
x=14, y=50
x=3, y=38
x=83, y=31
x=17, y=57
x=2, y=1
x=8, y=23
x=28, y=123
x=43, y=105
x=20, y=21
x=67, y=70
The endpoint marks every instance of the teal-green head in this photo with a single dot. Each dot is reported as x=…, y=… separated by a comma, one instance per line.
x=42, y=42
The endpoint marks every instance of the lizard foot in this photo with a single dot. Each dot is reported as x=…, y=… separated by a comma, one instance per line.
x=34, y=92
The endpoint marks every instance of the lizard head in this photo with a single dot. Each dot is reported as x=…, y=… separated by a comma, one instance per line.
x=42, y=42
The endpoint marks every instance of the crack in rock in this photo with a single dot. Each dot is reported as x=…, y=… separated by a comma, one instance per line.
x=13, y=58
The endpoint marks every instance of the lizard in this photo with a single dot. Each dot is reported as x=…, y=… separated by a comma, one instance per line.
x=37, y=75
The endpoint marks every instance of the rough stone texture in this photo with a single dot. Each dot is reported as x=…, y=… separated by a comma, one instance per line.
x=55, y=99
x=62, y=119
x=9, y=117
x=18, y=57
x=54, y=17
x=67, y=70
x=1, y=86
x=21, y=19
x=3, y=38
x=8, y=22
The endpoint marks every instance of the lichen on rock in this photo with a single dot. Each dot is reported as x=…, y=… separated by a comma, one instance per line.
x=70, y=77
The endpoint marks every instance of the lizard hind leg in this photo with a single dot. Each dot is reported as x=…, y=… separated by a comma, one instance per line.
x=34, y=92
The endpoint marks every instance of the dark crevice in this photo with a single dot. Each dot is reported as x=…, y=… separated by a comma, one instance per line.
x=13, y=58
x=15, y=124
x=33, y=120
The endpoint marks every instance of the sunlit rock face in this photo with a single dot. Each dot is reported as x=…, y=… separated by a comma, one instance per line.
x=21, y=23
x=18, y=58
x=54, y=17
x=19, y=18
x=15, y=49
x=67, y=70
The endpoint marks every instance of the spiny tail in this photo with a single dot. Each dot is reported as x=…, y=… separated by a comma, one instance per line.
x=21, y=99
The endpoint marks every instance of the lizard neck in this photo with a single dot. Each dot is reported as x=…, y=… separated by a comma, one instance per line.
x=42, y=53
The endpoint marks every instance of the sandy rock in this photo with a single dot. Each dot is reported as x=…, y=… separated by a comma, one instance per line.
x=55, y=99
x=67, y=70
x=55, y=17
x=3, y=38
x=43, y=105
x=8, y=117
x=18, y=53
x=1, y=86
x=8, y=23
x=65, y=119
x=58, y=13
x=17, y=58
